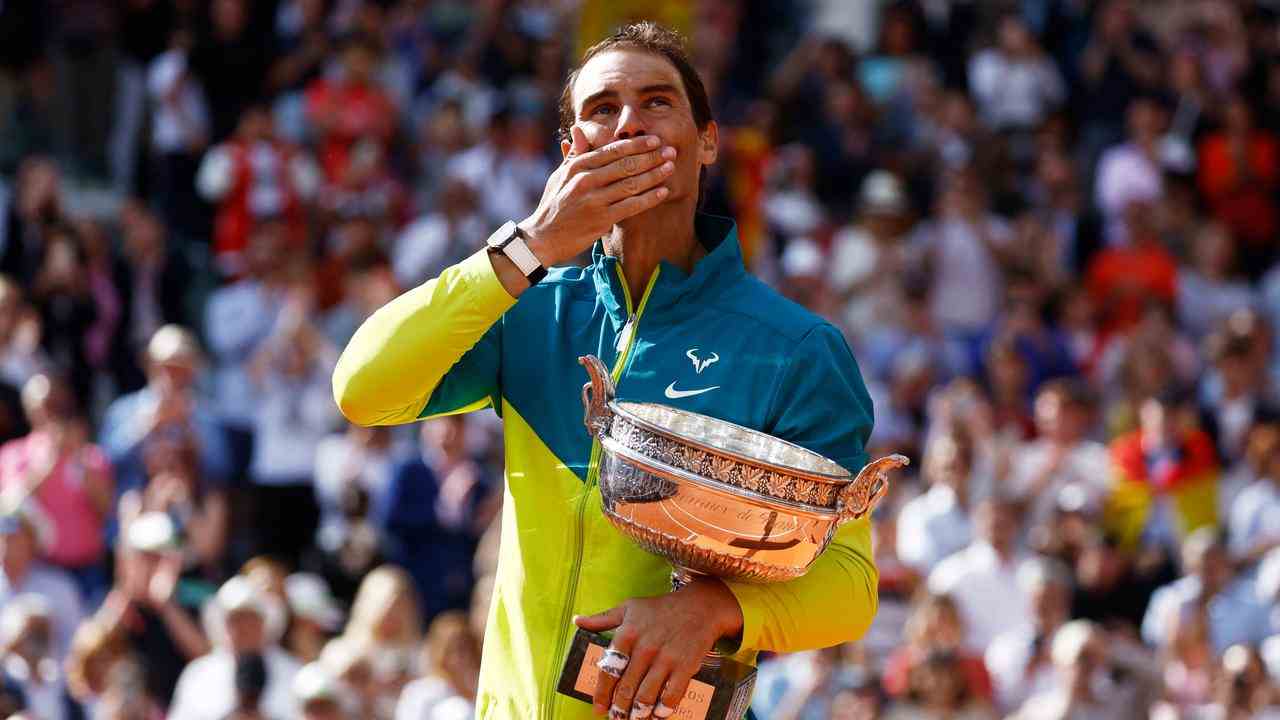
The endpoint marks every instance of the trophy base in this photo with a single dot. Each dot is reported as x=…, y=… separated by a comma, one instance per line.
x=721, y=690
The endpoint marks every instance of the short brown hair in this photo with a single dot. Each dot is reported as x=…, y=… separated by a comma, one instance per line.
x=649, y=37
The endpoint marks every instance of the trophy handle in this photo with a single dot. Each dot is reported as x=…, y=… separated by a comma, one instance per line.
x=860, y=496
x=596, y=396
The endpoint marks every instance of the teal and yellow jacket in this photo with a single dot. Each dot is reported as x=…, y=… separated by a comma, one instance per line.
x=717, y=341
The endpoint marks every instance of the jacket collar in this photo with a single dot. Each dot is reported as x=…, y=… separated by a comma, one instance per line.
x=717, y=270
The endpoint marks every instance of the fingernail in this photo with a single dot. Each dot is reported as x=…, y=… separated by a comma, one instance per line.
x=653, y=141
x=669, y=152
x=663, y=192
x=640, y=711
x=617, y=713
x=662, y=711
x=668, y=166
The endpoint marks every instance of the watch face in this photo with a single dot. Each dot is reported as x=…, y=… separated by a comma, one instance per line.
x=502, y=235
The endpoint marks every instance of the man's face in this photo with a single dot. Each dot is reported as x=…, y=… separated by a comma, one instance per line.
x=246, y=631
x=626, y=93
x=17, y=550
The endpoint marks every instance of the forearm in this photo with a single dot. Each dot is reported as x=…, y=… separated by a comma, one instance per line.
x=398, y=356
x=831, y=604
x=186, y=635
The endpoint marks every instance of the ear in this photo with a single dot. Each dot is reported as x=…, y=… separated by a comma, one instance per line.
x=709, y=144
x=565, y=147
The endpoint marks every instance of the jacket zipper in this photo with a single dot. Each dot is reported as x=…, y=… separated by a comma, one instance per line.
x=627, y=339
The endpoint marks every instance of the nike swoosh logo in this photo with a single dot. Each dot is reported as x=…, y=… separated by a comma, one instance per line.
x=675, y=394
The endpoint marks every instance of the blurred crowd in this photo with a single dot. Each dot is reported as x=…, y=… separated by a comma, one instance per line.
x=1048, y=229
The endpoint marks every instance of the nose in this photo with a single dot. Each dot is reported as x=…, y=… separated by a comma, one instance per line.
x=630, y=124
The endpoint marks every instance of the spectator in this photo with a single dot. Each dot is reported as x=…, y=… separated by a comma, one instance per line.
x=936, y=628
x=60, y=293
x=506, y=176
x=20, y=353
x=230, y=62
x=1087, y=668
x=937, y=690
x=1244, y=396
x=25, y=533
x=868, y=257
x=320, y=696
x=982, y=579
x=96, y=653
x=451, y=664
x=69, y=477
x=1123, y=279
x=145, y=609
x=1210, y=290
x=255, y=177
x=242, y=619
x=1018, y=659
x=169, y=406
x=936, y=523
x=315, y=616
x=439, y=239
x=350, y=107
x=27, y=657
x=1130, y=172
x=386, y=616
x=1164, y=479
x=180, y=130
x=1253, y=522
x=290, y=372
x=35, y=206
x=1230, y=607
x=1015, y=84
x=1239, y=176
x=438, y=504
x=351, y=664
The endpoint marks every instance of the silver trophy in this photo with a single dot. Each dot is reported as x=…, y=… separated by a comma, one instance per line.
x=713, y=498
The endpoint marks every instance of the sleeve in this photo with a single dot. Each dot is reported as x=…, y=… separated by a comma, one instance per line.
x=821, y=404
x=432, y=351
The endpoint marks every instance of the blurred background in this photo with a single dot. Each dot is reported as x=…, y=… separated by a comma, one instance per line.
x=1048, y=229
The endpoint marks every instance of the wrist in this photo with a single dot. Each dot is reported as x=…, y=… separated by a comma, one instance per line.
x=727, y=618
x=536, y=240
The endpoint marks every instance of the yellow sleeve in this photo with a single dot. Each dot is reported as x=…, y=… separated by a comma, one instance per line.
x=831, y=604
x=401, y=355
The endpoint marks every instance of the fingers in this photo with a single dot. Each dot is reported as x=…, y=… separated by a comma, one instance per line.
x=580, y=144
x=613, y=666
x=615, y=151
x=636, y=184
x=646, y=697
x=636, y=204
x=675, y=688
x=640, y=667
x=607, y=620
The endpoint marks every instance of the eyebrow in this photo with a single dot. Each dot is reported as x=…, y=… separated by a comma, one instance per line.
x=646, y=90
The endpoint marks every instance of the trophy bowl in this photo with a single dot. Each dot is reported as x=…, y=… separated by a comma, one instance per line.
x=717, y=498
x=713, y=498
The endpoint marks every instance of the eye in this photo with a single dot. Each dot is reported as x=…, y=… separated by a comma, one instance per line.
x=604, y=109
x=659, y=102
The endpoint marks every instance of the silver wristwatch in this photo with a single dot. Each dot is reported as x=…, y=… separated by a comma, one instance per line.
x=509, y=241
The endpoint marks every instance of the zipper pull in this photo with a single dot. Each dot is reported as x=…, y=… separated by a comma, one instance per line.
x=624, y=336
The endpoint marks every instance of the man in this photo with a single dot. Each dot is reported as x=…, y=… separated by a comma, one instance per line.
x=1230, y=605
x=245, y=619
x=983, y=577
x=28, y=659
x=668, y=305
x=25, y=533
x=1018, y=660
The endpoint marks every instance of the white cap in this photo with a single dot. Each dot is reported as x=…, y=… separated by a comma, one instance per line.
x=152, y=532
x=314, y=682
x=341, y=654
x=309, y=597
x=802, y=258
x=18, y=612
x=882, y=194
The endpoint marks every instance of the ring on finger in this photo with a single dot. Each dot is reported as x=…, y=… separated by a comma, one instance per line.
x=614, y=662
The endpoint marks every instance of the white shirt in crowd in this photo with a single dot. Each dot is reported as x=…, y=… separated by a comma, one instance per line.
x=932, y=526
x=986, y=592
x=1087, y=466
x=855, y=260
x=56, y=589
x=1008, y=659
x=238, y=317
x=431, y=698
x=1254, y=521
x=207, y=688
x=1125, y=175
x=294, y=416
x=430, y=244
x=1014, y=92
x=967, y=283
x=1235, y=614
x=508, y=185
x=181, y=116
